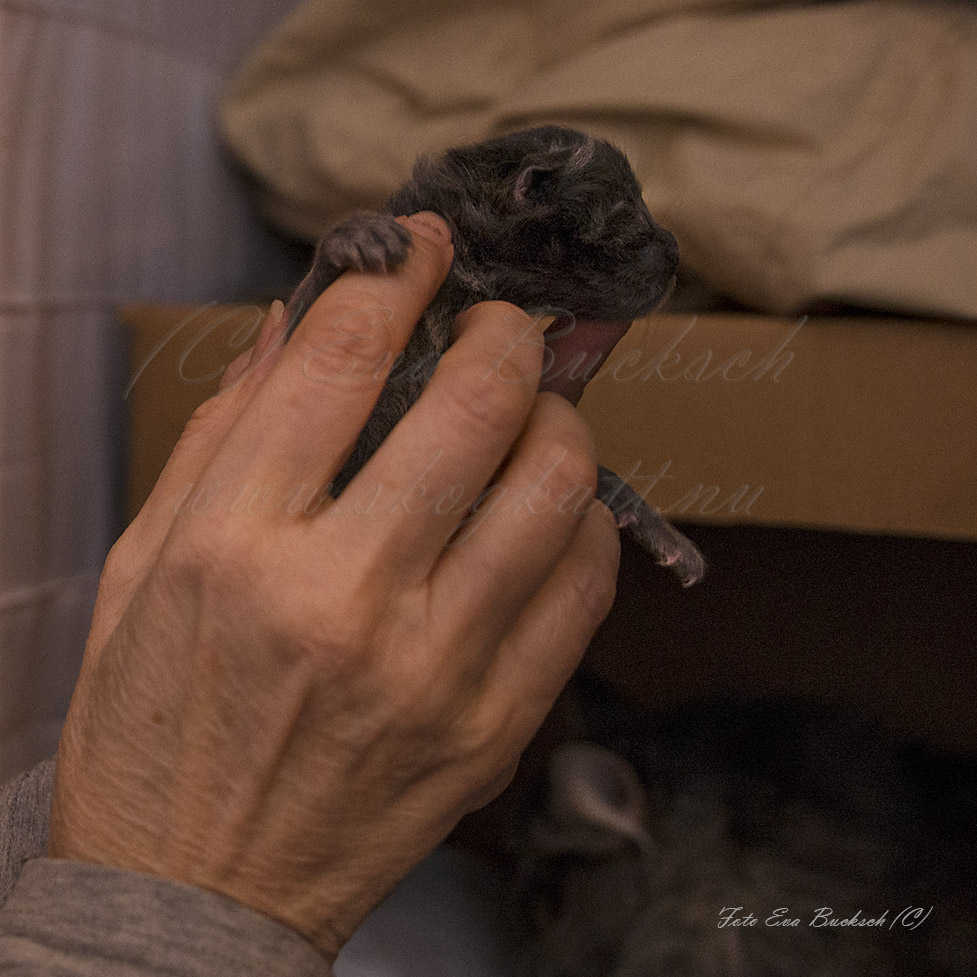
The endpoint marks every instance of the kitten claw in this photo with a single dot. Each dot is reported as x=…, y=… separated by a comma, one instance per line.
x=650, y=529
x=367, y=242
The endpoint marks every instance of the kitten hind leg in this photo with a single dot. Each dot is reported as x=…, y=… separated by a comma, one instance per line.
x=649, y=528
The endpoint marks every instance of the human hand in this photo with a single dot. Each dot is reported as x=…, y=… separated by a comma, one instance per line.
x=290, y=699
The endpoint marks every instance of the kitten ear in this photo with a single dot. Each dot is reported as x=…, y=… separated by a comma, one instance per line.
x=532, y=179
x=591, y=787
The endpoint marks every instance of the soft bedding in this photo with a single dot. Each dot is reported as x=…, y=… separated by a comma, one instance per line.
x=801, y=153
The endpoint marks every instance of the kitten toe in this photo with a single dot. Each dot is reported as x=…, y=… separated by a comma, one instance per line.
x=650, y=529
x=367, y=242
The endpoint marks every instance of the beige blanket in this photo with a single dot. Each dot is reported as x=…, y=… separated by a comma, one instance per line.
x=799, y=153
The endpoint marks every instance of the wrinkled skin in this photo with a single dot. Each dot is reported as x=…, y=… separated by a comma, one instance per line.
x=551, y=220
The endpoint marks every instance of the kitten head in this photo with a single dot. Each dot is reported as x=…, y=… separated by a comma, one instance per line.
x=549, y=219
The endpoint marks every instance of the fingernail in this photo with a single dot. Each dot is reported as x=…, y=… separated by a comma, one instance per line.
x=270, y=329
x=429, y=225
x=544, y=320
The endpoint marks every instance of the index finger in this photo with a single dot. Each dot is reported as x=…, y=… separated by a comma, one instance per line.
x=301, y=425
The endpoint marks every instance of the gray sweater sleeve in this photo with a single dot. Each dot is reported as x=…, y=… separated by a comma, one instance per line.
x=25, y=808
x=71, y=919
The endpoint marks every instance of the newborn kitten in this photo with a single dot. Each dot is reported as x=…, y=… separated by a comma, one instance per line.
x=549, y=219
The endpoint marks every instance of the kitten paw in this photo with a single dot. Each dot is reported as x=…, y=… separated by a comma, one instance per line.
x=650, y=529
x=366, y=242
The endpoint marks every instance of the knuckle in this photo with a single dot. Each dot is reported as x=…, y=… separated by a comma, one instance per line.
x=207, y=546
x=565, y=446
x=592, y=581
x=474, y=746
x=595, y=592
x=335, y=649
x=207, y=414
x=488, y=744
x=416, y=710
x=122, y=559
x=355, y=346
x=574, y=468
x=509, y=339
x=494, y=787
x=557, y=413
x=479, y=402
x=199, y=552
x=490, y=379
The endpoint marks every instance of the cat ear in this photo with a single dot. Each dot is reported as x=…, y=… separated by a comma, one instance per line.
x=594, y=787
x=532, y=179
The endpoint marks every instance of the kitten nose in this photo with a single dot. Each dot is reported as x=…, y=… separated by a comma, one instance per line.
x=669, y=248
x=662, y=252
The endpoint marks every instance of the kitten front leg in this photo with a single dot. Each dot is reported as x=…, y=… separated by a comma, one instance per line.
x=649, y=528
x=363, y=242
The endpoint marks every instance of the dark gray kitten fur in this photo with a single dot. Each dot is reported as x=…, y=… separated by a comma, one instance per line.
x=643, y=834
x=549, y=219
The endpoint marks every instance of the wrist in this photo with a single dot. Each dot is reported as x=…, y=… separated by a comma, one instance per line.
x=87, y=919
